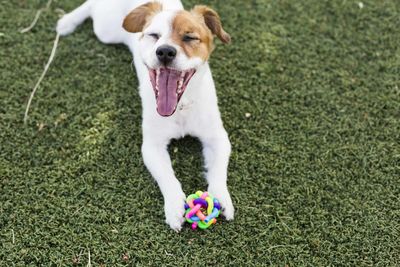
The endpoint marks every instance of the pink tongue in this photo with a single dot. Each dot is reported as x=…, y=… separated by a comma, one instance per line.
x=167, y=99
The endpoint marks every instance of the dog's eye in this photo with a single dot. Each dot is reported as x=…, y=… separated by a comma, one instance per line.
x=189, y=38
x=156, y=36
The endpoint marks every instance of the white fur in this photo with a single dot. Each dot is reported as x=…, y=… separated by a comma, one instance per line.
x=197, y=113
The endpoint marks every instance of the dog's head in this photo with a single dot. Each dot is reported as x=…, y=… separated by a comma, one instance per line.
x=173, y=45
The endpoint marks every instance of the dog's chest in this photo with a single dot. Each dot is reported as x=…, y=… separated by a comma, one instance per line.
x=185, y=104
x=184, y=119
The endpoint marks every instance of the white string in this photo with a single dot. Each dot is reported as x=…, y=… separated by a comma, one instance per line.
x=27, y=29
x=53, y=52
x=37, y=15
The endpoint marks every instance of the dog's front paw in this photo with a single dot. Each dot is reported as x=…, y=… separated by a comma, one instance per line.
x=224, y=198
x=65, y=25
x=174, y=212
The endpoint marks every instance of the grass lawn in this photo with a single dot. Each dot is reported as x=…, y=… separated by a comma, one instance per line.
x=315, y=167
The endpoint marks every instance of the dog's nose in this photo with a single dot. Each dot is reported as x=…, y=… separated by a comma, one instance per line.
x=166, y=54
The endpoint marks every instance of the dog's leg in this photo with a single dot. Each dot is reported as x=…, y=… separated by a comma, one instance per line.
x=158, y=162
x=107, y=19
x=216, y=151
x=70, y=21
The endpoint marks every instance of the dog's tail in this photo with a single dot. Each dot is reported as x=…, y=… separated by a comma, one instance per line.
x=70, y=21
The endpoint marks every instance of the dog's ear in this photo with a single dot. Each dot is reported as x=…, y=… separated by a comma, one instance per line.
x=140, y=16
x=213, y=22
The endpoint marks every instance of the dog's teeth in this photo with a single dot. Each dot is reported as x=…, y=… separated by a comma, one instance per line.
x=180, y=86
x=180, y=83
x=157, y=75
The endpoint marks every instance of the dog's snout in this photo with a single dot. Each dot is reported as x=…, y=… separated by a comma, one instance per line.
x=166, y=54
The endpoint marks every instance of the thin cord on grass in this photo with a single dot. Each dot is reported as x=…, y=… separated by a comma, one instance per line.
x=37, y=15
x=89, y=264
x=50, y=58
x=53, y=52
x=27, y=29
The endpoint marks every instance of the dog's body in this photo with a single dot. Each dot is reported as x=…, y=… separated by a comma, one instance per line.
x=171, y=114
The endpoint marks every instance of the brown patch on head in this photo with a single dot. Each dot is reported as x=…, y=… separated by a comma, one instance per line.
x=213, y=22
x=138, y=18
x=193, y=31
x=186, y=25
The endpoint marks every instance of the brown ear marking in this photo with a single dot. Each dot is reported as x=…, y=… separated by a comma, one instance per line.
x=137, y=19
x=213, y=22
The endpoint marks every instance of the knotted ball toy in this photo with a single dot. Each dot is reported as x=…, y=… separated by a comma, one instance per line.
x=202, y=209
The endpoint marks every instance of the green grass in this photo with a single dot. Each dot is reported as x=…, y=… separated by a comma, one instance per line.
x=314, y=172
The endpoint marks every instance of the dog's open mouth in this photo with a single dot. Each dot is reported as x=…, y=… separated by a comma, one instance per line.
x=169, y=85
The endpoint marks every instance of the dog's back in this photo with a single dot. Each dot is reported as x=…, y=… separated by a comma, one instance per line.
x=107, y=17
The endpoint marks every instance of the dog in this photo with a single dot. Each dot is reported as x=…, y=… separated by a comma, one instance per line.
x=170, y=47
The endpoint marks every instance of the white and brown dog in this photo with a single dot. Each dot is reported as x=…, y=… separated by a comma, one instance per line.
x=171, y=47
